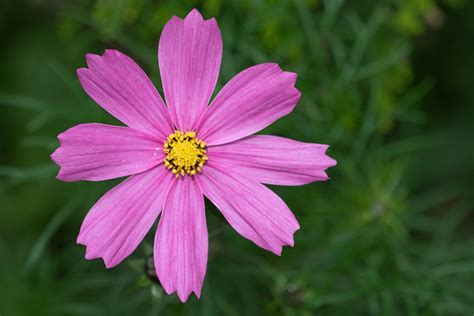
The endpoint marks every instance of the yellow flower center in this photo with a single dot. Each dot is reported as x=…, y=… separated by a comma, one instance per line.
x=185, y=153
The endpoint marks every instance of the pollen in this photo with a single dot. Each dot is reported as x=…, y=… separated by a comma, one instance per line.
x=185, y=153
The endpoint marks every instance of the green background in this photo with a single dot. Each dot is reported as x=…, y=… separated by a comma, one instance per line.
x=388, y=84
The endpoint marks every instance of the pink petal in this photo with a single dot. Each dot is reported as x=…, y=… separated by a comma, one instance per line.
x=249, y=102
x=119, y=221
x=97, y=152
x=252, y=209
x=189, y=55
x=275, y=160
x=181, y=240
x=123, y=89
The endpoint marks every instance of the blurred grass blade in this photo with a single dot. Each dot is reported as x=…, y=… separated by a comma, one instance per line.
x=43, y=239
x=23, y=102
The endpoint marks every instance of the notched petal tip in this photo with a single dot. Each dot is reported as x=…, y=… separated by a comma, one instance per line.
x=62, y=136
x=331, y=162
x=62, y=177
x=288, y=77
x=278, y=251
x=112, y=52
x=297, y=94
x=183, y=296
x=110, y=265
x=92, y=60
x=55, y=158
x=214, y=28
x=213, y=22
x=82, y=74
x=55, y=154
x=270, y=67
x=90, y=255
x=289, y=243
x=194, y=15
x=174, y=20
x=292, y=77
x=288, y=240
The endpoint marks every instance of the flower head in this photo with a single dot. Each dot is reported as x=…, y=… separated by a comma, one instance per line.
x=185, y=153
x=177, y=153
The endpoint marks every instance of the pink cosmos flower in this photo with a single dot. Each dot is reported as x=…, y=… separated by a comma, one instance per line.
x=177, y=153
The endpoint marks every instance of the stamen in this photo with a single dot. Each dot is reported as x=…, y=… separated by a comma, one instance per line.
x=185, y=153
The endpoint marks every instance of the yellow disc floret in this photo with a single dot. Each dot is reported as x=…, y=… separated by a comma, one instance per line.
x=185, y=153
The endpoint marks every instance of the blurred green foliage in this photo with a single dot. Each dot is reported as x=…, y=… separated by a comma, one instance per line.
x=387, y=83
